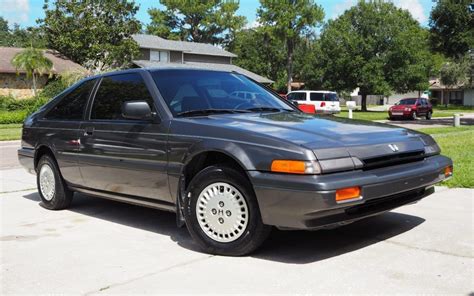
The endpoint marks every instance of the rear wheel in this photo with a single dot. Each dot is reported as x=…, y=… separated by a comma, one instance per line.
x=222, y=214
x=51, y=187
x=428, y=115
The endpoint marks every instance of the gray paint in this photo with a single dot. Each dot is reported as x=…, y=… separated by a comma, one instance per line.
x=142, y=162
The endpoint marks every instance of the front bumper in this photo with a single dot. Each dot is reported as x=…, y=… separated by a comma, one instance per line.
x=26, y=157
x=308, y=202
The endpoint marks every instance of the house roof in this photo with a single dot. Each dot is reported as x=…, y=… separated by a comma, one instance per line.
x=60, y=63
x=206, y=66
x=155, y=42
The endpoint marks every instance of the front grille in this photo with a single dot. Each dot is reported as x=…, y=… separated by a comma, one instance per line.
x=389, y=160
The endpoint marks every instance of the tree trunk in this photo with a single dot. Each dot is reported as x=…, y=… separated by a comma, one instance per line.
x=34, y=84
x=289, y=63
x=364, y=102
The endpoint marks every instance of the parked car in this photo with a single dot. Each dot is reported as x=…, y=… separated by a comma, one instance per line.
x=230, y=167
x=324, y=101
x=411, y=108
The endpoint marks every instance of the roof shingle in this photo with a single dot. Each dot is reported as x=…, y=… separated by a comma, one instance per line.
x=155, y=42
x=61, y=64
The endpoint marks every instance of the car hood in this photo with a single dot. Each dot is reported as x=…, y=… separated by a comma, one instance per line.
x=327, y=136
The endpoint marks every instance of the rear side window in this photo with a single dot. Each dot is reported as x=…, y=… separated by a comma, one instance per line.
x=114, y=91
x=297, y=96
x=72, y=105
x=316, y=96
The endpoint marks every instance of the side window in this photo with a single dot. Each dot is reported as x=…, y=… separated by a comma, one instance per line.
x=114, y=91
x=297, y=96
x=316, y=97
x=72, y=105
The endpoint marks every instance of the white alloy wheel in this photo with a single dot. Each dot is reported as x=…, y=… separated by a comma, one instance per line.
x=222, y=212
x=47, y=182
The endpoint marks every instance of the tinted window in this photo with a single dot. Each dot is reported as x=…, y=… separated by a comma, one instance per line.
x=316, y=97
x=194, y=90
x=72, y=105
x=407, y=102
x=329, y=97
x=297, y=96
x=114, y=91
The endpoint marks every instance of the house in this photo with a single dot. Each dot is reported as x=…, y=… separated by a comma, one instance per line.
x=157, y=52
x=15, y=83
x=452, y=95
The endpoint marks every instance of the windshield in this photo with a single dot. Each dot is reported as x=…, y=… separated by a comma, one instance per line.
x=187, y=91
x=407, y=102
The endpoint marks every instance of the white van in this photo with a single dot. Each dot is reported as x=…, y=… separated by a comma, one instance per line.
x=324, y=101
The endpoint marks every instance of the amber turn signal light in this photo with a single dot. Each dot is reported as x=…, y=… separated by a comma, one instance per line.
x=289, y=166
x=345, y=194
x=448, y=171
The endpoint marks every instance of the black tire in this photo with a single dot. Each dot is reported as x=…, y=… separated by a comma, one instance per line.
x=413, y=115
x=62, y=196
x=252, y=236
x=428, y=115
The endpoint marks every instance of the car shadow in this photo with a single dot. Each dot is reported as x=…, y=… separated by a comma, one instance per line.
x=296, y=247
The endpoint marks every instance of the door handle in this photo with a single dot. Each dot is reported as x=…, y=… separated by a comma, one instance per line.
x=88, y=131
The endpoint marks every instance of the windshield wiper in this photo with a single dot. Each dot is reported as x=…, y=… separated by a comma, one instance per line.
x=268, y=109
x=210, y=111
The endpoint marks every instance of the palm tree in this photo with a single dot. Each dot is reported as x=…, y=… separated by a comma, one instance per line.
x=34, y=63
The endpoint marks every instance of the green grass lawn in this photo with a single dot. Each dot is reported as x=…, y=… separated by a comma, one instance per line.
x=383, y=115
x=458, y=144
x=10, y=131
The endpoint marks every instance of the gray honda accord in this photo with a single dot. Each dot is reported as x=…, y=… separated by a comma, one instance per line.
x=229, y=156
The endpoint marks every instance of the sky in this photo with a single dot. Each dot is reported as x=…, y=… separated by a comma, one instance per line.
x=25, y=12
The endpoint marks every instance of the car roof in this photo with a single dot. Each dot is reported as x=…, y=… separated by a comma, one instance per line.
x=313, y=91
x=137, y=70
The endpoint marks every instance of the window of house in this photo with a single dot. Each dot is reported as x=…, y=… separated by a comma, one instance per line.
x=114, y=91
x=159, y=56
x=72, y=105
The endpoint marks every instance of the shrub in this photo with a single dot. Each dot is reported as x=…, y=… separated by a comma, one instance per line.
x=13, y=116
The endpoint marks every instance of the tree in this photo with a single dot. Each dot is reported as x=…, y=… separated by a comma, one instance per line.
x=377, y=48
x=95, y=34
x=261, y=53
x=452, y=28
x=289, y=20
x=456, y=73
x=33, y=62
x=212, y=22
x=19, y=37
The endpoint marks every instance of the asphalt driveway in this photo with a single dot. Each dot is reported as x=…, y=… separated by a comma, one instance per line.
x=99, y=246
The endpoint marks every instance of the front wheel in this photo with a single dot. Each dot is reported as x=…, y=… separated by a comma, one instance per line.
x=51, y=187
x=222, y=214
x=413, y=115
x=428, y=115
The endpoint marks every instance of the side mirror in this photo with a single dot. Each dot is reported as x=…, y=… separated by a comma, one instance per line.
x=139, y=110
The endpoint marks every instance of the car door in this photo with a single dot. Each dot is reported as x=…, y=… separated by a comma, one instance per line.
x=421, y=107
x=60, y=128
x=119, y=155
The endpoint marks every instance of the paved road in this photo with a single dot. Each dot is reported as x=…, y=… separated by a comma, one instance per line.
x=104, y=247
x=467, y=119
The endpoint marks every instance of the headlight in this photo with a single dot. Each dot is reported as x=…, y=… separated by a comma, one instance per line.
x=407, y=109
x=431, y=147
x=296, y=167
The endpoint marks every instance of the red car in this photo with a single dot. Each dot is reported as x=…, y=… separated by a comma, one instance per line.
x=411, y=108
